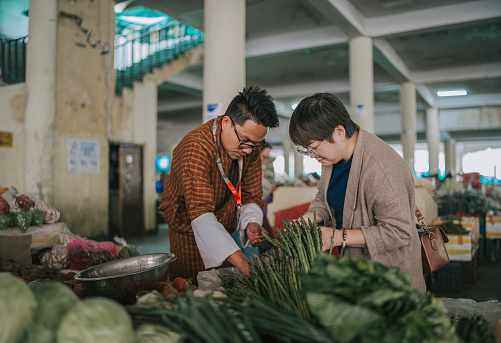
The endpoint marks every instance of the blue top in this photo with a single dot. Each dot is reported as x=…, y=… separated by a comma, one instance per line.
x=337, y=190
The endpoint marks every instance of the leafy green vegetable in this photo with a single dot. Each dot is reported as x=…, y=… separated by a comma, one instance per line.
x=359, y=300
x=96, y=320
x=37, y=217
x=5, y=221
x=22, y=220
x=203, y=320
x=17, y=305
x=128, y=251
x=54, y=300
x=473, y=329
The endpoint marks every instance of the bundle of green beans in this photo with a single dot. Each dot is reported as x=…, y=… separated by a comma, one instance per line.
x=276, y=276
x=302, y=240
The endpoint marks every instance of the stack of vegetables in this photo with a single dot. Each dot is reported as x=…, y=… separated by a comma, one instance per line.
x=297, y=294
x=50, y=312
x=26, y=216
x=276, y=276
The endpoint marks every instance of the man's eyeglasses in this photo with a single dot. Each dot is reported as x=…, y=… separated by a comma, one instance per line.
x=311, y=153
x=243, y=145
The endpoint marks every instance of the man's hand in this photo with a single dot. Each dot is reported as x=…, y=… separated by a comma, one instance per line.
x=254, y=234
x=239, y=260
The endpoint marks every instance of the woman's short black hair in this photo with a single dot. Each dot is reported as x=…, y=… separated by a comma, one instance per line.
x=253, y=103
x=316, y=117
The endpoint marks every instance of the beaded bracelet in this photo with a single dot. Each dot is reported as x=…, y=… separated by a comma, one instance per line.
x=344, y=238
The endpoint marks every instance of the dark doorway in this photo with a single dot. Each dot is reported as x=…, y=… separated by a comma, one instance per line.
x=126, y=190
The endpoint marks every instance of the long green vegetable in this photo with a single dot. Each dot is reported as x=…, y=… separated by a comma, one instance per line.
x=276, y=276
x=299, y=240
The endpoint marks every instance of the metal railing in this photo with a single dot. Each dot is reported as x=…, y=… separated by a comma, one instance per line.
x=13, y=60
x=139, y=52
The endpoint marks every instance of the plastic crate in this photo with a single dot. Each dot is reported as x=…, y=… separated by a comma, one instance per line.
x=447, y=279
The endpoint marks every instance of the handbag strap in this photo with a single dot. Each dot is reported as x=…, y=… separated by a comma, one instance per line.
x=425, y=228
x=421, y=222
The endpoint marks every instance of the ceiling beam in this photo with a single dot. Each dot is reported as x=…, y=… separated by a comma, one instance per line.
x=343, y=14
x=432, y=18
x=387, y=58
x=471, y=100
x=296, y=40
x=472, y=72
x=172, y=105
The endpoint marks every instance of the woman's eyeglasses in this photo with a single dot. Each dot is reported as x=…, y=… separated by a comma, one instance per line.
x=312, y=153
x=244, y=145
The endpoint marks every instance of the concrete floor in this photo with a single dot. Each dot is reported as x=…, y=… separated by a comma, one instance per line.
x=487, y=285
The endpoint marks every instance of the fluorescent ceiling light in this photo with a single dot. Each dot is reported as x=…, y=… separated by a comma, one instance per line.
x=458, y=92
x=143, y=20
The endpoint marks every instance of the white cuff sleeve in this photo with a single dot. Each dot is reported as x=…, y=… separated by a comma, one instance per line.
x=213, y=241
x=250, y=213
x=306, y=217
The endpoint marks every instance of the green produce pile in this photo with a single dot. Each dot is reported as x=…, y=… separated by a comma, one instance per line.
x=52, y=313
x=473, y=329
x=350, y=300
x=358, y=300
x=275, y=276
x=22, y=220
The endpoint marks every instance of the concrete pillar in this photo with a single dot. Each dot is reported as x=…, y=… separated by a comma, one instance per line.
x=298, y=164
x=85, y=94
x=145, y=132
x=287, y=144
x=362, y=82
x=432, y=138
x=224, y=58
x=459, y=158
x=41, y=99
x=450, y=157
x=408, y=109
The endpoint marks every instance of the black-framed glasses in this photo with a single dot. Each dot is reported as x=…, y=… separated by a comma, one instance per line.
x=242, y=145
x=310, y=153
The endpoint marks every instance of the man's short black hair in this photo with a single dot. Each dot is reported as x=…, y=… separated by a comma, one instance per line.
x=253, y=103
x=316, y=117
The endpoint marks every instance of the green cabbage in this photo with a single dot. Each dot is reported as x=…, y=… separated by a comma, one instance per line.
x=17, y=305
x=54, y=300
x=151, y=333
x=96, y=320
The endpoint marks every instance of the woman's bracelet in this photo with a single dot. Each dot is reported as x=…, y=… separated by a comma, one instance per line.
x=344, y=238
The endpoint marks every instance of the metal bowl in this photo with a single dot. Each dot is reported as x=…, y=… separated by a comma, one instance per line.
x=123, y=279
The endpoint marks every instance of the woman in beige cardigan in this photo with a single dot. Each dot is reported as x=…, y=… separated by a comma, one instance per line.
x=366, y=188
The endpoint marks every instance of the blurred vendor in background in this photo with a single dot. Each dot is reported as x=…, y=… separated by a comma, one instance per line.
x=215, y=187
x=269, y=187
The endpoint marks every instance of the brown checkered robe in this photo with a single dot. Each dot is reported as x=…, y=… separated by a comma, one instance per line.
x=195, y=186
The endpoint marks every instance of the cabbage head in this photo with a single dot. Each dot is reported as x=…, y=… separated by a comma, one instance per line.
x=17, y=306
x=96, y=320
x=151, y=333
x=54, y=300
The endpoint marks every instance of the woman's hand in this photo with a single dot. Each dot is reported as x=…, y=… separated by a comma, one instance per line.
x=254, y=234
x=327, y=233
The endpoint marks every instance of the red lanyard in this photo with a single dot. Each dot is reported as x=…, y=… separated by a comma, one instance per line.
x=238, y=195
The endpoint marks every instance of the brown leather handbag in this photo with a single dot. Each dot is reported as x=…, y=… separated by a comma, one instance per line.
x=433, y=252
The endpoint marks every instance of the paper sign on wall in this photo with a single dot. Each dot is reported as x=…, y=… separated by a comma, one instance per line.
x=83, y=156
x=6, y=139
